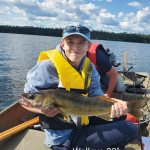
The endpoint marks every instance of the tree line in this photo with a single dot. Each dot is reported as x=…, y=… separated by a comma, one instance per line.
x=99, y=35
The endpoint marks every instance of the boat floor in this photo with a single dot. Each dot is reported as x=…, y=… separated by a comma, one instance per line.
x=28, y=139
x=31, y=139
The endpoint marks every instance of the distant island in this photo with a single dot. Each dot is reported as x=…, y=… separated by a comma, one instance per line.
x=95, y=34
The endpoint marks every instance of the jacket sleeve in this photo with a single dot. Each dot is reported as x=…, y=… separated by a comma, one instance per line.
x=41, y=77
x=102, y=61
x=95, y=88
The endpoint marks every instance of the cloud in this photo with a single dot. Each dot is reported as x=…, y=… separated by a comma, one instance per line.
x=74, y=12
x=143, y=15
x=137, y=22
x=106, y=18
x=121, y=14
x=59, y=13
x=134, y=4
x=109, y=1
x=4, y=10
x=88, y=7
x=34, y=8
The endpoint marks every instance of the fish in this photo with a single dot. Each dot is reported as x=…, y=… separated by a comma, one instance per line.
x=71, y=103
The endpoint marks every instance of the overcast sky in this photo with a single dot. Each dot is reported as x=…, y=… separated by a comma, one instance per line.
x=108, y=15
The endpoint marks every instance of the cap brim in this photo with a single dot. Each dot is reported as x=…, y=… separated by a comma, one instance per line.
x=76, y=33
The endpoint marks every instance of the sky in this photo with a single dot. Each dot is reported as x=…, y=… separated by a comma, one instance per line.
x=108, y=15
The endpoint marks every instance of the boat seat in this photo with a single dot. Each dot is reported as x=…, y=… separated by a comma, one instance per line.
x=136, y=89
x=138, y=79
x=26, y=140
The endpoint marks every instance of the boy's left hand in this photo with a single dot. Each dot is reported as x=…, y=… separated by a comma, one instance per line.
x=119, y=109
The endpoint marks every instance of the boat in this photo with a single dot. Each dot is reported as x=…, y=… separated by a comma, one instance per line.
x=16, y=129
x=20, y=129
x=18, y=126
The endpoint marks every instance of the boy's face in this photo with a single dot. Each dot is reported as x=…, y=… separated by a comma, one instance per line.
x=75, y=48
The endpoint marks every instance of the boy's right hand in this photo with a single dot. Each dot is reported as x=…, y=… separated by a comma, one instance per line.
x=50, y=112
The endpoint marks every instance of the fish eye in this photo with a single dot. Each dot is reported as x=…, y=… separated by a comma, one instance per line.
x=31, y=96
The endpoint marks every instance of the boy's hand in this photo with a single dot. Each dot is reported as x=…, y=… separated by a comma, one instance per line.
x=119, y=109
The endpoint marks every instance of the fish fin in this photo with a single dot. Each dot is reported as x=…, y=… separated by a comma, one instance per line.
x=66, y=117
x=105, y=116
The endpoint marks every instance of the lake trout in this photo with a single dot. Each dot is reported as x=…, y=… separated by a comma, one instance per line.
x=70, y=103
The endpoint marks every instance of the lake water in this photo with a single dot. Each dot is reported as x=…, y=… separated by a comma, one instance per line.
x=18, y=53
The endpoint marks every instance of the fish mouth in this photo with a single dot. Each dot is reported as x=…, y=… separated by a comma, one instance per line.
x=24, y=100
x=22, y=96
x=29, y=96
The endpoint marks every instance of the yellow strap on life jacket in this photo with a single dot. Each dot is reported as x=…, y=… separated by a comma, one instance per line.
x=85, y=120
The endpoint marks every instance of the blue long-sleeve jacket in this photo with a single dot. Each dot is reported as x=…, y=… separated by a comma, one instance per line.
x=44, y=76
